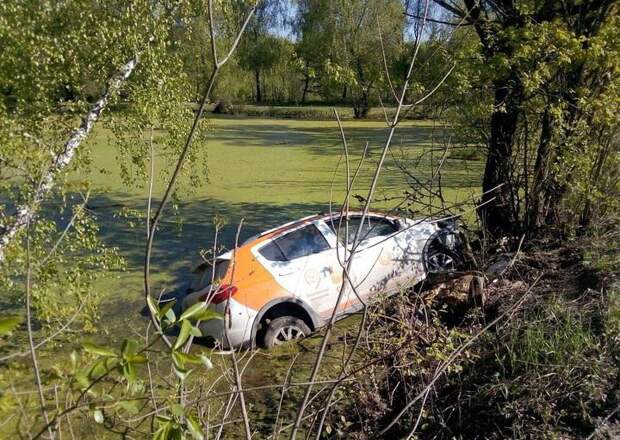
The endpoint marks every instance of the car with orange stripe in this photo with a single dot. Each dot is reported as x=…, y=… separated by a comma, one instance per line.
x=285, y=283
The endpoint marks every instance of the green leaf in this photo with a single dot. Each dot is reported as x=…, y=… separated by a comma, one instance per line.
x=165, y=309
x=81, y=379
x=8, y=324
x=171, y=316
x=163, y=432
x=129, y=349
x=186, y=326
x=194, y=428
x=177, y=360
x=153, y=306
x=177, y=410
x=130, y=406
x=138, y=359
x=98, y=415
x=101, y=367
x=74, y=360
x=193, y=310
x=129, y=371
x=181, y=373
x=195, y=331
x=98, y=350
x=189, y=358
x=207, y=314
x=206, y=361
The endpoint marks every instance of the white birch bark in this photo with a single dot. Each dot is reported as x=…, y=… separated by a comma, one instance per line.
x=26, y=212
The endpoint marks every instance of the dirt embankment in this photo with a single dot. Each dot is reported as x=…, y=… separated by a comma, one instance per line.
x=527, y=348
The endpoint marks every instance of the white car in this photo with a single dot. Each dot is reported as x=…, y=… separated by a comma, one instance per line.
x=284, y=283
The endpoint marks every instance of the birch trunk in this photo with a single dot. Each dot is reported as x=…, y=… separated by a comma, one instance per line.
x=26, y=212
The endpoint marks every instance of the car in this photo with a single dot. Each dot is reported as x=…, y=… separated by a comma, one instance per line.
x=284, y=284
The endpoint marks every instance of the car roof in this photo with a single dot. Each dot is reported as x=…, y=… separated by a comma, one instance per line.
x=306, y=220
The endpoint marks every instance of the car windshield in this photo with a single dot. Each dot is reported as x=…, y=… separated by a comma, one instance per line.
x=373, y=227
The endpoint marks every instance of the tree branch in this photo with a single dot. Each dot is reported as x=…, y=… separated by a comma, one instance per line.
x=26, y=212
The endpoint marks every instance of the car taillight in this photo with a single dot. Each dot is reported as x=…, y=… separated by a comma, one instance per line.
x=222, y=293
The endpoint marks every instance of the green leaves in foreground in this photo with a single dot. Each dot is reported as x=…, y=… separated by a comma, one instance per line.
x=8, y=324
x=198, y=312
x=124, y=362
x=173, y=427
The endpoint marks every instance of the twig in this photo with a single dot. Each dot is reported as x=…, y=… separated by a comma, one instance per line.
x=371, y=191
x=238, y=385
x=33, y=354
x=180, y=162
x=456, y=353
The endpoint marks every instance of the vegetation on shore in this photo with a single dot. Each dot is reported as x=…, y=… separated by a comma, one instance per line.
x=136, y=134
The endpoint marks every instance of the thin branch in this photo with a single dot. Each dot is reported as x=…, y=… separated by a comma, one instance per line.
x=371, y=191
x=238, y=384
x=177, y=171
x=456, y=353
x=33, y=352
x=212, y=33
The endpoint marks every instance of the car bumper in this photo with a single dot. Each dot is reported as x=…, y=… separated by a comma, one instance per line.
x=235, y=330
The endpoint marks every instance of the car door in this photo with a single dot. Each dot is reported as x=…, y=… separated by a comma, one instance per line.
x=410, y=241
x=372, y=269
x=303, y=262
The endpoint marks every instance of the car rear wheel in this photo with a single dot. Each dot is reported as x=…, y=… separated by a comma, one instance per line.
x=284, y=330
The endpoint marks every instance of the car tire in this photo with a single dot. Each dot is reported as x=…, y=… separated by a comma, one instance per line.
x=441, y=253
x=283, y=330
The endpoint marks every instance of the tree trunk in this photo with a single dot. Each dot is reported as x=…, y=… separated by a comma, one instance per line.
x=26, y=212
x=498, y=211
x=259, y=95
x=306, y=84
x=535, y=215
x=361, y=105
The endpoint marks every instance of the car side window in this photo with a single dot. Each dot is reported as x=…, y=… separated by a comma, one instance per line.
x=379, y=227
x=272, y=252
x=296, y=244
x=373, y=227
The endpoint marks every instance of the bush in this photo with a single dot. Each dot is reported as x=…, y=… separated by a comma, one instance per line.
x=468, y=152
x=224, y=107
x=548, y=370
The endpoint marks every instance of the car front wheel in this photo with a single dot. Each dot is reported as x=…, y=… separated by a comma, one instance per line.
x=441, y=253
x=285, y=329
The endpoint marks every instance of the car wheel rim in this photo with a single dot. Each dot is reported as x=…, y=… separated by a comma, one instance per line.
x=441, y=262
x=288, y=333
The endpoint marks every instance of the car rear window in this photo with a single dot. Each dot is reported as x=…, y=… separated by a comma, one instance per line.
x=296, y=244
x=205, y=273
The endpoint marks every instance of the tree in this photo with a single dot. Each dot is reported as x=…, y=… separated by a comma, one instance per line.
x=339, y=45
x=546, y=63
x=261, y=50
x=259, y=54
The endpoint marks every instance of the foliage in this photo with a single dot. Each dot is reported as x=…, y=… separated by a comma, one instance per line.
x=549, y=370
x=539, y=86
x=341, y=44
